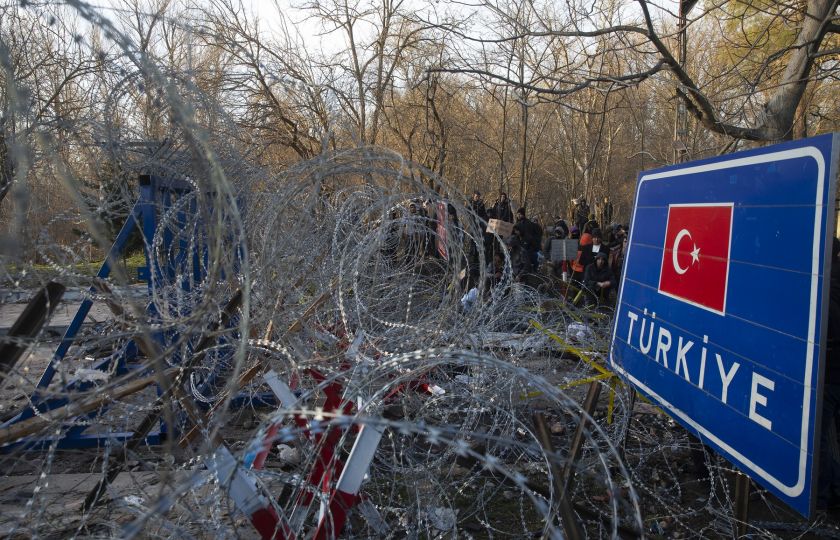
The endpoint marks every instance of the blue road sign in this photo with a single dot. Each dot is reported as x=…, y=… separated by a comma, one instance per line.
x=721, y=308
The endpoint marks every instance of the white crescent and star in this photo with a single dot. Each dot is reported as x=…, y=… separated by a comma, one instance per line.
x=695, y=254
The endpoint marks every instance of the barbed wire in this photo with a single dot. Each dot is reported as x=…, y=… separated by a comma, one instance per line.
x=290, y=318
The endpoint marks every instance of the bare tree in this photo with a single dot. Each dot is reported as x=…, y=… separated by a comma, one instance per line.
x=43, y=64
x=378, y=37
x=284, y=101
x=766, y=105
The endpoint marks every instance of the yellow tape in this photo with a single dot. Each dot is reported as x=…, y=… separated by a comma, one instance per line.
x=587, y=380
x=649, y=402
x=572, y=384
x=570, y=348
x=573, y=315
x=603, y=372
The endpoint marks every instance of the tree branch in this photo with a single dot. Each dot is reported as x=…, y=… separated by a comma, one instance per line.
x=777, y=119
x=626, y=80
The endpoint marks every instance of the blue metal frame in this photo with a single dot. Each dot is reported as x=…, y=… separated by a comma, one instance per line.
x=157, y=196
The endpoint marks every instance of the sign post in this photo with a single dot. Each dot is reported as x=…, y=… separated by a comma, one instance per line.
x=721, y=312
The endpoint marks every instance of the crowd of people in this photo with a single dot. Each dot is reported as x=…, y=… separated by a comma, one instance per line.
x=596, y=266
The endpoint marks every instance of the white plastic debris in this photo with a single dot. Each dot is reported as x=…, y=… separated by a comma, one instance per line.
x=90, y=375
x=289, y=454
x=442, y=519
x=133, y=500
x=580, y=332
x=437, y=390
x=469, y=299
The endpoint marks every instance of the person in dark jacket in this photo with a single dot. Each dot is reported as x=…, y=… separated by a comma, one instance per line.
x=502, y=208
x=606, y=212
x=598, y=242
x=617, y=251
x=477, y=205
x=598, y=278
x=560, y=223
x=520, y=263
x=580, y=214
x=531, y=234
x=591, y=224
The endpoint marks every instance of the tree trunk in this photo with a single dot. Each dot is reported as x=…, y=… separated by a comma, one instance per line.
x=523, y=166
x=779, y=112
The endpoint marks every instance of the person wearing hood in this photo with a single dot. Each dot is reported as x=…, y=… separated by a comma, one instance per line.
x=618, y=250
x=561, y=226
x=598, y=278
x=591, y=224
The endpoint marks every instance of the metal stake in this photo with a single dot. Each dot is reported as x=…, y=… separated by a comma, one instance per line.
x=571, y=527
x=577, y=442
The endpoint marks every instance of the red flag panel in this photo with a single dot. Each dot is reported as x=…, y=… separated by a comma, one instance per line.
x=695, y=258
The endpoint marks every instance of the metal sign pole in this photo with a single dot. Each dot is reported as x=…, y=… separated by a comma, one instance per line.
x=742, y=503
x=681, y=117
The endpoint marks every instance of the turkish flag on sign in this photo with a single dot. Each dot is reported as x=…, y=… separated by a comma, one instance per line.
x=695, y=258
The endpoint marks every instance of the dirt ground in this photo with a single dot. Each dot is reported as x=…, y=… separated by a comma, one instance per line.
x=680, y=494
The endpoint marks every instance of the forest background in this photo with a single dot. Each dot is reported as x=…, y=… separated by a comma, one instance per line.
x=545, y=100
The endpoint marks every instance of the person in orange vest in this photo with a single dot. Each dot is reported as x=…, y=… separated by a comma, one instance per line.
x=584, y=257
